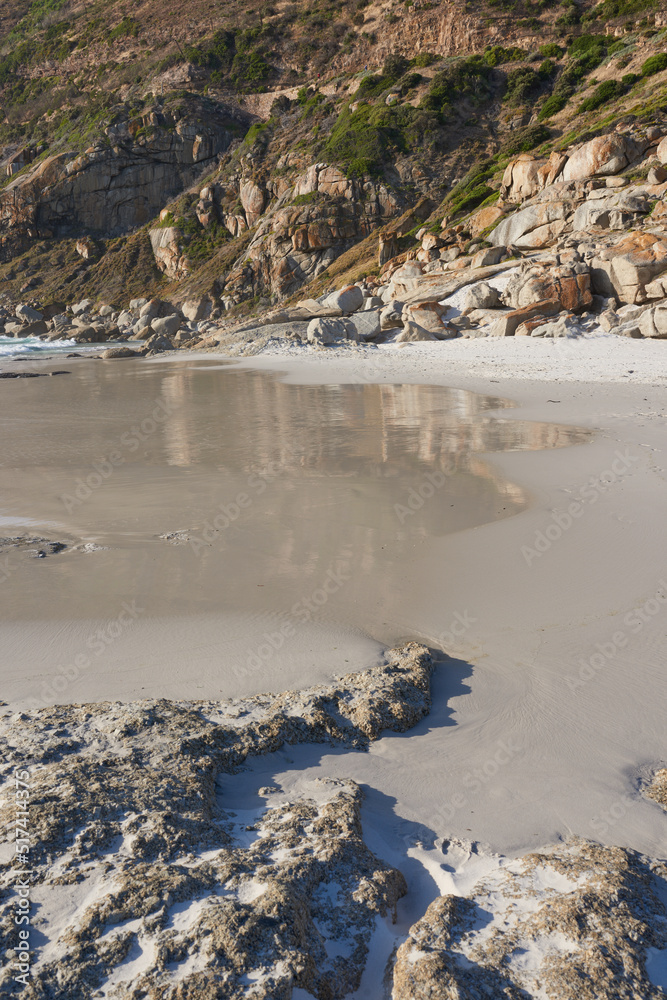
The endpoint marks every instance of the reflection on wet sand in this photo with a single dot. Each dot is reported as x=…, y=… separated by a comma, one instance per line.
x=261, y=490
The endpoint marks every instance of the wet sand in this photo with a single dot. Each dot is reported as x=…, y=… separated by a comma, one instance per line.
x=229, y=533
x=549, y=714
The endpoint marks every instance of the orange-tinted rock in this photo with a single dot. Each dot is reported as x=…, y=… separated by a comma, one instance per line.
x=569, y=284
x=625, y=269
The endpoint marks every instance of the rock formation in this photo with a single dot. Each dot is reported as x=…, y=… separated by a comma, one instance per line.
x=132, y=818
x=574, y=920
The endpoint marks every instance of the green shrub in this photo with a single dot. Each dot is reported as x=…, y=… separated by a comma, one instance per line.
x=551, y=51
x=496, y=55
x=609, y=9
x=525, y=139
x=472, y=198
x=363, y=140
x=571, y=16
x=522, y=84
x=128, y=28
x=654, y=64
x=547, y=69
x=424, y=59
x=552, y=106
x=411, y=80
x=605, y=92
x=465, y=78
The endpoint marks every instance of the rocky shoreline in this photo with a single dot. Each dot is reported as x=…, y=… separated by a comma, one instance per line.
x=149, y=883
x=576, y=244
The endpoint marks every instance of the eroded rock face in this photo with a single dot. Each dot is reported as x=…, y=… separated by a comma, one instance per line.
x=525, y=176
x=535, y=226
x=572, y=921
x=294, y=243
x=132, y=814
x=112, y=188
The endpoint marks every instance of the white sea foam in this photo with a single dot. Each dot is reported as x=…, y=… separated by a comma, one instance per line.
x=21, y=347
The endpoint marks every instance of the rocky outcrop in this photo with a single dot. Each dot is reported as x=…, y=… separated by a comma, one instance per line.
x=626, y=267
x=601, y=157
x=294, y=243
x=134, y=813
x=576, y=920
x=525, y=176
x=115, y=186
x=569, y=284
x=169, y=253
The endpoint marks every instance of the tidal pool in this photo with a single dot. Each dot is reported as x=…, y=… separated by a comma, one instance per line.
x=228, y=532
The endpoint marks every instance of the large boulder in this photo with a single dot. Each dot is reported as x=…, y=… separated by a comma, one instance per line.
x=413, y=333
x=428, y=316
x=196, y=310
x=480, y=296
x=569, y=284
x=612, y=211
x=563, y=326
x=151, y=308
x=526, y=176
x=114, y=353
x=535, y=226
x=81, y=307
x=605, y=155
x=157, y=343
x=487, y=256
x=508, y=324
x=328, y=330
x=625, y=269
x=26, y=314
x=391, y=317
x=366, y=324
x=484, y=219
x=347, y=299
x=653, y=323
x=661, y=151
x=405, y=279
x=165, y=326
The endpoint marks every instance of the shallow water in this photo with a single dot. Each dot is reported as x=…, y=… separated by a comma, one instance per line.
x=262, y=534
x=34, y=348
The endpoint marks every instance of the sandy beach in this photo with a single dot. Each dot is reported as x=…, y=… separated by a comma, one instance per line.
x=543, y=596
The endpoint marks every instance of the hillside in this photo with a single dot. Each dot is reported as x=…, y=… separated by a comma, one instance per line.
x=172, y=150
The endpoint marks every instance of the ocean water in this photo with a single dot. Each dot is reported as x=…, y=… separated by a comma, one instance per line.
x=34, y=348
